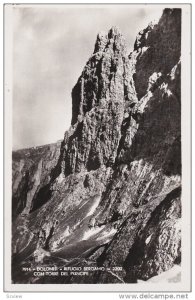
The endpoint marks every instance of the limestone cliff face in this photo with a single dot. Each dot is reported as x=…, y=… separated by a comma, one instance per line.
x=109, y=194
x=102, y=95
x=157, y=49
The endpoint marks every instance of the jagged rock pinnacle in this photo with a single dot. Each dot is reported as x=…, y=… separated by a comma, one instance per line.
x=103, y=92
x=111, y=40
x=107, y=64
x=101, y=41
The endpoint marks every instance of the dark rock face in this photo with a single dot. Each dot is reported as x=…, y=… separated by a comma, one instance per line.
x=109, y=194
x=147, y=257
x=158, y=49
x=102, y=95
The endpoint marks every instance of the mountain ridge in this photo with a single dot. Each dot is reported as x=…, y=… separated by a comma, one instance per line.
x=95, y=196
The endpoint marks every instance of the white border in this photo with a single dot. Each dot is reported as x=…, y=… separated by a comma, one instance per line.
x=185, y=285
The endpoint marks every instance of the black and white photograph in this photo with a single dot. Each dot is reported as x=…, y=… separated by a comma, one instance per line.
x=97, y=113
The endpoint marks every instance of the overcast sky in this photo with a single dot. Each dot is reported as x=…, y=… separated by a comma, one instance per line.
x=50, y=48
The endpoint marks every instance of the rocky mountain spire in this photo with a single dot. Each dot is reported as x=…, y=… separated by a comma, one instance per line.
x=103, y=92
x=105, y=77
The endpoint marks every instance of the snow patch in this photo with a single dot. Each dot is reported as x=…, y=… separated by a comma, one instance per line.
x=94, y=206
x=142, y=103
x=173, y=71
x=89, y=233
x=172, y=275
x=152, y=79
x=107, y=234
x=66, y=232
x=164, y=88
x=148, y=239
x=144, y=49
x=60, y=178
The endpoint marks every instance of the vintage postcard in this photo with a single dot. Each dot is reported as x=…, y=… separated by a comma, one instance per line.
x=97, y=147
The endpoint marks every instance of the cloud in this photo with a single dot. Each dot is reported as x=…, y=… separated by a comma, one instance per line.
x=52, y=43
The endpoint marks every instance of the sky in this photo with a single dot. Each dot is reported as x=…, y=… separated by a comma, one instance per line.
x=51, y=45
